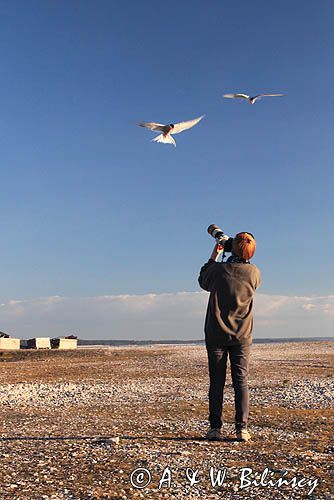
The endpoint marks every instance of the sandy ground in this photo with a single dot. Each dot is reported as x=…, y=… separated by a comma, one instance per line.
x=80, y=425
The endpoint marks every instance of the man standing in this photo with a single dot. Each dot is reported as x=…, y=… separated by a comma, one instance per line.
x=228, y=328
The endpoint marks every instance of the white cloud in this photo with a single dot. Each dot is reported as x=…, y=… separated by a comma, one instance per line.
x=159, y=316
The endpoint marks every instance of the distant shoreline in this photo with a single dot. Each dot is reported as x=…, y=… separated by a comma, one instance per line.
x=83, y=343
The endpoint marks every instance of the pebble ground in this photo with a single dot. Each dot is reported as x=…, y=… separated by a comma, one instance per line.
x=80, y=424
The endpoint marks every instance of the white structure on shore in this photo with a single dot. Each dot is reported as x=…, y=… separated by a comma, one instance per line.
x=9, y=344
x=39, y=343
x=64, y=343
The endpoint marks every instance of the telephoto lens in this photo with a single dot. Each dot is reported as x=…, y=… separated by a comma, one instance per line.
x=220, y=237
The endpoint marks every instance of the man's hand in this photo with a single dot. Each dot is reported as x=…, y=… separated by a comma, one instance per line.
x=216, y=251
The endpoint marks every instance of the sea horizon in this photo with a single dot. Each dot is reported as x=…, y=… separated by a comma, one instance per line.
x=120, y=342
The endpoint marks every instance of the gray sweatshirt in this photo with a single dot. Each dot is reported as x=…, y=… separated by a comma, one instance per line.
x=229, y=316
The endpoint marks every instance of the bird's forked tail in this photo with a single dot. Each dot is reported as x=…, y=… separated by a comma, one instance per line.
x=167, y=139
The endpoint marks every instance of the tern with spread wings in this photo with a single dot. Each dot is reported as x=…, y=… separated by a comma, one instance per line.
x=168, y=130
x=250, y=99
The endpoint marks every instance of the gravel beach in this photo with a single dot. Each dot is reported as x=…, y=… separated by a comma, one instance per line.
x=80, y=424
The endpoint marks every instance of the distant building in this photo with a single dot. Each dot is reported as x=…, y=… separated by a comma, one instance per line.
x=69, y=342
x=7, y=343
x=39, y=343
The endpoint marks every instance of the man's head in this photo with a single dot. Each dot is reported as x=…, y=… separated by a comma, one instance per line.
x=244, y=245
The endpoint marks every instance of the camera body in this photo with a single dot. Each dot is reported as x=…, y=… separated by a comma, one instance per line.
x=220, y=237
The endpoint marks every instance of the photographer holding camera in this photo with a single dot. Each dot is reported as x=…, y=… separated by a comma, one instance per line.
x=229, y=325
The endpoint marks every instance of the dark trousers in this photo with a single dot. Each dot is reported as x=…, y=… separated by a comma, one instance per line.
x=239, y=358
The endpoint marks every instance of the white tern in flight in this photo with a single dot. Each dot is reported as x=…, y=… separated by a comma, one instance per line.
x=168, y=130
x=250, y=99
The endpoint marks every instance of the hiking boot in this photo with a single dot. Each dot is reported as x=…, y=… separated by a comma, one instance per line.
x=243, y=435
x=214, y=435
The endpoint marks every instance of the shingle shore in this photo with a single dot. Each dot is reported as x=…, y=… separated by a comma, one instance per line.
x=307, y=393
x=61, y=413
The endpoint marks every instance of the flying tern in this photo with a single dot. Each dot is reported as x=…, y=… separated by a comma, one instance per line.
x=168, y=130
x=250, y=99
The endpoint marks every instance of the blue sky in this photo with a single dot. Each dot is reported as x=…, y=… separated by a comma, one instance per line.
x=90, y=207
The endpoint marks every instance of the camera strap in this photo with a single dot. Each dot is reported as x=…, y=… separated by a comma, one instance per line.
x=236, y=259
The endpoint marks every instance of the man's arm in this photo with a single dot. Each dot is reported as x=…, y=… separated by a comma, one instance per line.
x=207, y=273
